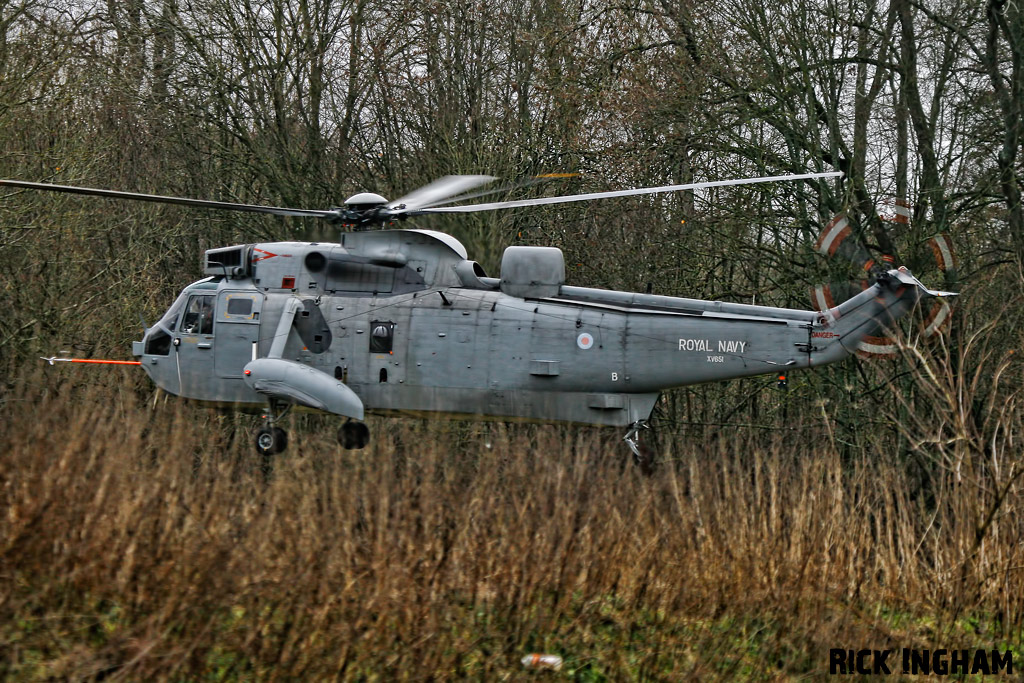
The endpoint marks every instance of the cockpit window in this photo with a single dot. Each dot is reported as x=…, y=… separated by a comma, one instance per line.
x=198, y=318
x=158, y=342
x=170, y=319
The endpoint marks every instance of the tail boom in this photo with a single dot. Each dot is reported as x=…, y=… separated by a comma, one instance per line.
x=842, y=329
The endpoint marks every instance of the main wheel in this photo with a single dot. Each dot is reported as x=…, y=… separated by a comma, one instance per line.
x=645, y=458
x=353, y=435
x=271, y=440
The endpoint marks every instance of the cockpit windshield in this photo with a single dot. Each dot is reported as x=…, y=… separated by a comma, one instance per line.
x=158, y=337
x=170, y=318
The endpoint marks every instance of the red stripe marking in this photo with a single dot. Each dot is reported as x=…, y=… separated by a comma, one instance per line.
x=937, y=251
x=936, y=309
x=877, y=341
x=843, y=234
x=828, y=228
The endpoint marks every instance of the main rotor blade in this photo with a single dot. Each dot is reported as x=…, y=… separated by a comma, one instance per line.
x=517, y=185
x=470, y=208
x=439, y=190
x=183, y=201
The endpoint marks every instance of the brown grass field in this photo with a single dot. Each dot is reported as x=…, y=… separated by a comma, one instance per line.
x=141, y=540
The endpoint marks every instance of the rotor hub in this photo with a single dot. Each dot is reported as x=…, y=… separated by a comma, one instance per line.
x=364, y=200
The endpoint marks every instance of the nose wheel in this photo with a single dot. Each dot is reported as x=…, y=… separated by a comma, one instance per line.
x=353, y=435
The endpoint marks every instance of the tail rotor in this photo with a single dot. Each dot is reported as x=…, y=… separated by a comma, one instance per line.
x=838, y=243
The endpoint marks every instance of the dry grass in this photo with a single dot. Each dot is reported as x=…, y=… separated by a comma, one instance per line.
x=144, y=542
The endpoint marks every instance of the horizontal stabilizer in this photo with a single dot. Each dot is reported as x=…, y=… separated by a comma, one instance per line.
x=904, y=276
x=291, y=382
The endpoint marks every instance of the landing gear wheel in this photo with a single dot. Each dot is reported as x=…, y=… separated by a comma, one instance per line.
x=644, y=459
x=643, y=454
x=353, y=435
x=271, y=440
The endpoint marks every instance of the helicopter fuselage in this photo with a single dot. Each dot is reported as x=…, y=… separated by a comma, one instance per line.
x=404, y=321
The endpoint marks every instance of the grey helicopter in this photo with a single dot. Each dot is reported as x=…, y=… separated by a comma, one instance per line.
x=402, y=322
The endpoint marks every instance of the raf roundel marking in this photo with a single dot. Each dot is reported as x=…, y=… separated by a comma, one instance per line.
x=585, y=341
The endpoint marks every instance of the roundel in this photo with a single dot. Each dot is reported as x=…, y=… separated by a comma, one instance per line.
x=585, y=340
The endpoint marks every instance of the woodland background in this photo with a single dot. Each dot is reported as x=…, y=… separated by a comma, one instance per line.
x=874, y=504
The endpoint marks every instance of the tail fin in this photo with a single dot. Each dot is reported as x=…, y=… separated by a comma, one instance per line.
x=841, y=329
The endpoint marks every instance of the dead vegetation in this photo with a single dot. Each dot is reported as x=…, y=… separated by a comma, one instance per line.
x=141, y=540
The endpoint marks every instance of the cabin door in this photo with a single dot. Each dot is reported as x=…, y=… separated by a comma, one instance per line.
x=194, y=346
x=238, y=331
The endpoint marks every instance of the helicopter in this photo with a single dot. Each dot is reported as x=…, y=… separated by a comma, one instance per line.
x=402, y=322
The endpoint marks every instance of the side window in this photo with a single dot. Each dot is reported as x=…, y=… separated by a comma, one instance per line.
x=382, y=336
x=198, y=317
x=240, y=306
